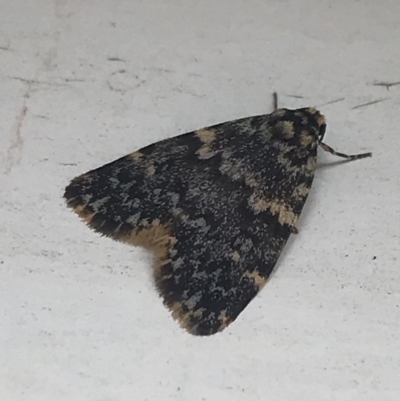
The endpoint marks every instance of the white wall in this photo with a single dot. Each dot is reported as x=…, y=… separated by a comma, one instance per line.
x=85, y=82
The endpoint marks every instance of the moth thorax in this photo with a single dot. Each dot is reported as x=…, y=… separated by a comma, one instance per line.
x=301, y=127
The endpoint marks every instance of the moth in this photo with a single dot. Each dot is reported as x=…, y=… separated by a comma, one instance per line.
x=215, y=206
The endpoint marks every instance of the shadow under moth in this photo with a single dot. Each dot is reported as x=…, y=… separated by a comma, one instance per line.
x=215, y=206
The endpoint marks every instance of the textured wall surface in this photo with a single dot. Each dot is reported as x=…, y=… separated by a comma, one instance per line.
x=85, y=82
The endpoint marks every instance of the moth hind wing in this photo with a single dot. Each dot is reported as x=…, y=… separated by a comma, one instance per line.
x=204, y=306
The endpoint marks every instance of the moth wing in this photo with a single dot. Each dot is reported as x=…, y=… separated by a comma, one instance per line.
x=216, y=206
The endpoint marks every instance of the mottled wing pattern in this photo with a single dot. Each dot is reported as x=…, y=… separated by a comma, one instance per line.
x=216, y=206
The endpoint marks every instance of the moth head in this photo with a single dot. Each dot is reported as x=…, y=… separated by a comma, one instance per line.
x=305, y=126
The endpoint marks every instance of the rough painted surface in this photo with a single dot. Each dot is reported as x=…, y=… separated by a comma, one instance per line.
x=85, y=82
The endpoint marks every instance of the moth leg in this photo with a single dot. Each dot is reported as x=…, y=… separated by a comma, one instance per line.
x=294, y=230
x=327, y=148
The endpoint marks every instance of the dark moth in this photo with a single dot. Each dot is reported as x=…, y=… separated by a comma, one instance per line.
x=216, y=206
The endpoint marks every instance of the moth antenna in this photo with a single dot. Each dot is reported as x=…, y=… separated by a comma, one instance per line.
x=327, y=148
x=275, y=97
